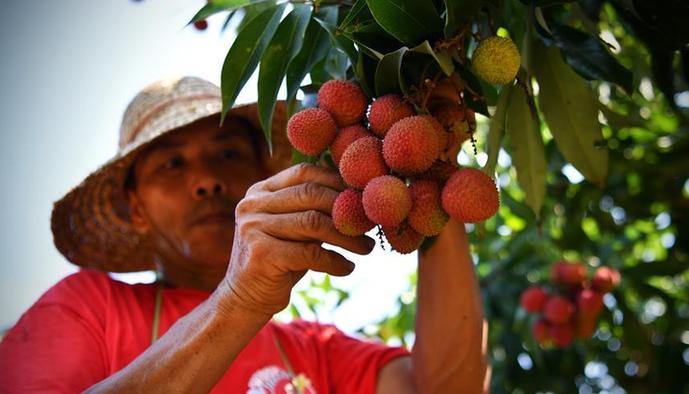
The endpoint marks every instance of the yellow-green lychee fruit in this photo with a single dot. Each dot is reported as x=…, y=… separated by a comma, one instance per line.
x=426, y=216
x=345, y=101
x=470, y=196
x=496, y=60
x=386, y=111
x=348, y=214
x=362, y=161
x=386, y=200
x=403, y=238
x=411, y=145
x=311, y=130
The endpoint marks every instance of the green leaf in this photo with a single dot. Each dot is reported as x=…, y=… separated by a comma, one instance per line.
x=283, y=47
x=358, y=14
x=214, y=7
x=589, y=57
x=410, y=21
x=246, y=51
x=497, y=130
x=443, y=58
x=314, y=48
x=338, y=40
x=570, y=110
x=388, y=76
x=365, y=71
x=459, y=14
x=528, y=153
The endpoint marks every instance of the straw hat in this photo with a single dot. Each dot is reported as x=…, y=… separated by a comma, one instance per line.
x=91, y=224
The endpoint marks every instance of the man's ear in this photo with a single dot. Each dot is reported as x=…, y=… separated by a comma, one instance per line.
x=137, y=214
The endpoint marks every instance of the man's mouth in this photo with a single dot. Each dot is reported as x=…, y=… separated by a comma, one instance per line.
x=218, y=218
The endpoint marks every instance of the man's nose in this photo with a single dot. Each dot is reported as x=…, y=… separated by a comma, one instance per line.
x=209, y=185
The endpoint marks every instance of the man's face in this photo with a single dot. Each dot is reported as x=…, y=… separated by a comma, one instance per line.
x=187, y=186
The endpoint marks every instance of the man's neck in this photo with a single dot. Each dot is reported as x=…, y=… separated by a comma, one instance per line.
x=199, y=278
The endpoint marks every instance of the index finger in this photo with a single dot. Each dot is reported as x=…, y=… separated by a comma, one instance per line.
x=304, y=173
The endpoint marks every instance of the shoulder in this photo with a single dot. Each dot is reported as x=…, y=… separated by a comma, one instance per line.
x=84, y=285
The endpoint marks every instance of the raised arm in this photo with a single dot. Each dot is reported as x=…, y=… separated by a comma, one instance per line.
x=449, y=354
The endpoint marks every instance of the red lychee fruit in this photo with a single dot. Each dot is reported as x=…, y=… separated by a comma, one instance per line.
x=585, y=325
x=386, y=111
x=562, y=334
x=403, y=239
x=568, y=273
x=589, y=302
x=541, y=332
x=345, y=101
x=201, y=24
x=533, y=298
x=470, y=196
x=426, y=216
x=558, y=310
x=387, y=200
x=362, y=161
x=410, y=146
x=441, y=134
x=348, y=214
x=605, y=279
x=344, y=138
x=311, y=130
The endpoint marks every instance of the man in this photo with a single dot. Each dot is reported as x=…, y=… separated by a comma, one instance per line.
x=230, y=230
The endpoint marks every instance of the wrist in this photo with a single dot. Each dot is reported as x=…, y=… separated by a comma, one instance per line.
x=228, y=305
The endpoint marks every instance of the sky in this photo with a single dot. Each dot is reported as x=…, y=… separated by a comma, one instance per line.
x=68, y=70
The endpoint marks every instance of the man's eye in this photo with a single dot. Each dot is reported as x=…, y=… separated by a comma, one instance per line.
x=229, y=154
x=173, y=163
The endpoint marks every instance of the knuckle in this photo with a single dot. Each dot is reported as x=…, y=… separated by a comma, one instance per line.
x=307, y=192
x=302, y=170
x=312, y=253
x=313, y=220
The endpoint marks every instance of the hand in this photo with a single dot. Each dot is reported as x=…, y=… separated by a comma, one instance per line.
x=280, y=225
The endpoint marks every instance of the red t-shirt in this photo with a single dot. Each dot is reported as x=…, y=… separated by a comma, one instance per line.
x=89, y=326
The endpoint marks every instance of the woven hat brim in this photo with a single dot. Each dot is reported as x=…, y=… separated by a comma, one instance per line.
x=91, y=224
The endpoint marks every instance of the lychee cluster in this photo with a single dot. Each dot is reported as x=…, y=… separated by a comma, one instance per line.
x=394, y=162
x=570, y=309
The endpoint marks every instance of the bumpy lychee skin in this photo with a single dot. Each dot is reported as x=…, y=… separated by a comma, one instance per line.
x=345, y=101
x=348, y=214
x=589, y=302
x=403, y=239
x=441, y=134
x=426, y=216
x=558, y=310
x=386, y=111
x=562, y=335
x=470, y=196
x=311, y=130
x=344, y=138
x=568, y=273
x=387, y=200
x=362, y=161
x=533, y=299
x=410, y=146
x=496, y=60
x=605, y=279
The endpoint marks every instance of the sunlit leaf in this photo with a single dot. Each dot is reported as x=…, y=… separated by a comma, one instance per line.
x=283, y=47
x=410, y=21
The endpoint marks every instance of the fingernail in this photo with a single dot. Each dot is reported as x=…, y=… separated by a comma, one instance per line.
x=371, y=243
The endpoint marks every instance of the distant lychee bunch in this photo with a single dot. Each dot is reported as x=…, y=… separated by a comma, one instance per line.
x=496, y=60
x=571, y=307
x=396, y=164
